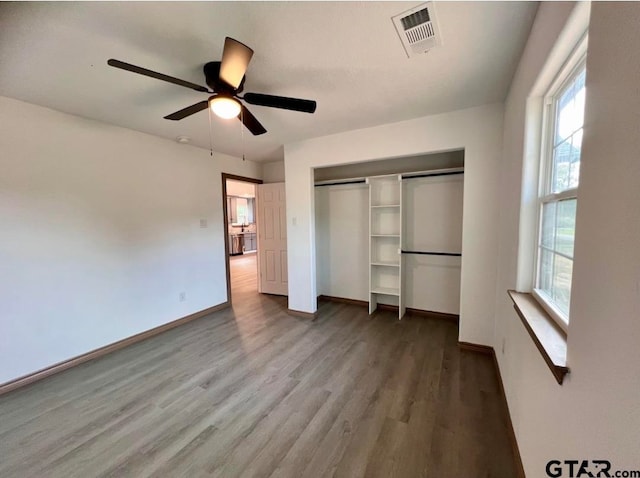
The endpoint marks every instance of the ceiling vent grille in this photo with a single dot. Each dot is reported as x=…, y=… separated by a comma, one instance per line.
x=418, y=29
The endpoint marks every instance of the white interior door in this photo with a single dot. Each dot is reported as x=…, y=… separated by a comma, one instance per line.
x=272, y=239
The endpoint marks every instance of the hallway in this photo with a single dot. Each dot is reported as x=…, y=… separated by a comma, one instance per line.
x=244, y=274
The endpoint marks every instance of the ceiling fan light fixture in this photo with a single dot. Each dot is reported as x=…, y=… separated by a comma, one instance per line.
x=225, y=80
x=225, y=106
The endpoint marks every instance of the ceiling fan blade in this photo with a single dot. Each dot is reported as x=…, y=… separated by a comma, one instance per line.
x=188, y=111
x=295, y=104
x=235, y=60
x=153, y=74
x=251, y=122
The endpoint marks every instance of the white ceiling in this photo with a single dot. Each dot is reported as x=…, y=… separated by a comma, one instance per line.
x=345, y=55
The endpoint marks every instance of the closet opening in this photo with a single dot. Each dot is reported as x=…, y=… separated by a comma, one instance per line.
x=389, y=233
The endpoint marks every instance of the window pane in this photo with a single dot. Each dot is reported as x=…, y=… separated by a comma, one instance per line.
x=241, y=209
x=548, y=225
x=565, y=226
x=546, y=271
x=570, y=108
x=579, y=99
x=561, y=166
x=555, y=279
x=576, y=147
x=561, y=295
x=564, y=115
x=567, y=143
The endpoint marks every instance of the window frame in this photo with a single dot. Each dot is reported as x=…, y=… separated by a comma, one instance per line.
x=573, y=67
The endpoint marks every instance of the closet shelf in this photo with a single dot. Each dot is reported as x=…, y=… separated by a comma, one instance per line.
x=382, y=206
x=385, y=264
x=386, y=290
x=385, y=235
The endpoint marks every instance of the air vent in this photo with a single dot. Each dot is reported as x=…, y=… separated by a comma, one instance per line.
x=418, y=29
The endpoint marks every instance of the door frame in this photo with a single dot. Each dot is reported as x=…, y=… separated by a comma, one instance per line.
x=225, y=218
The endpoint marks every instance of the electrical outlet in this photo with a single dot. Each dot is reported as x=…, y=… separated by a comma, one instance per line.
x=182, y=296
x=203, y=223
x=504, y=342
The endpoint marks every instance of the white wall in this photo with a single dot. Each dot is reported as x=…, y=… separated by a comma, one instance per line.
x=478, y=131
x=273, y=172
x=238, y=166
x=100, y=232
x=595, y=413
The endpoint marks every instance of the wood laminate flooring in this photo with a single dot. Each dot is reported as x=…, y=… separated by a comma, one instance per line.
x=252, y=391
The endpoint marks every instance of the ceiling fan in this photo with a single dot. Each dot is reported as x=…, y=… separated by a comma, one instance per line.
x=226, y=80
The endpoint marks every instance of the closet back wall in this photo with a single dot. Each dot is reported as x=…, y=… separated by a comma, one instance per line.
x=342, y=235
x=433, y=223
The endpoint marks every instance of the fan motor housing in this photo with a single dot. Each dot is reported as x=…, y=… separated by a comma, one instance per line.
x=212, y=77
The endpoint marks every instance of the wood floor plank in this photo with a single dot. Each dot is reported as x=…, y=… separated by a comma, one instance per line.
x=385, y=457
x=254, y=392
x=360, y=451
x=262, y=451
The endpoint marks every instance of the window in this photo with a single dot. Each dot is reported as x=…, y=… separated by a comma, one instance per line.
x=242, y=210
x=558, y=198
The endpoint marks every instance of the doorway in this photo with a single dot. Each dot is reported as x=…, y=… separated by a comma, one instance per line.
x=241, y=230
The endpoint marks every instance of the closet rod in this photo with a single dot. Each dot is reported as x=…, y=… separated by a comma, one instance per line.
x=430, y=253
x=340, y=183
x=415, y=174
x=430, y=175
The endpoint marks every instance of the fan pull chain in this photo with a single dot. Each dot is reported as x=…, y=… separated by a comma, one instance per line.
x=242, y=132
x=210, y=132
